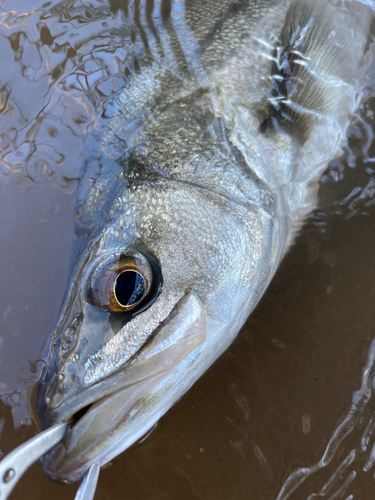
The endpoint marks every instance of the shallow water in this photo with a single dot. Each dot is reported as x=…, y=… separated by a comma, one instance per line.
x=269, y=405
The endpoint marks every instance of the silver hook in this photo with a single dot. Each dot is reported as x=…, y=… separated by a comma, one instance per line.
x=19, y=460
x=86, y=490
x=15, y=464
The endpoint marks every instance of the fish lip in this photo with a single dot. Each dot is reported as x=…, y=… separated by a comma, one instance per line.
x=59, y=450
x=65, y=413
x=68, y=408
x=66, y=474
x=55, y=418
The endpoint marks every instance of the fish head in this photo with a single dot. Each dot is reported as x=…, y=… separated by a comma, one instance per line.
x=152, y=301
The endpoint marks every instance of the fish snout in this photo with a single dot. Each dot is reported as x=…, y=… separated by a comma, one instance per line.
x=115, y=409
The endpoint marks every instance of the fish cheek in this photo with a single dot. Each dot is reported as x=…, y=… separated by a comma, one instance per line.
x=118, y=321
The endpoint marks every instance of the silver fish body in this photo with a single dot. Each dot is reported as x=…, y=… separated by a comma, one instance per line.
x=202, y=176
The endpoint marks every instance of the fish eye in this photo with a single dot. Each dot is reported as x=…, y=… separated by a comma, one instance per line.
x=130, y=288
x=120, y=283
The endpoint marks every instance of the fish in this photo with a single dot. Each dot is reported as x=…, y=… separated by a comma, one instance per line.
x=189, y=198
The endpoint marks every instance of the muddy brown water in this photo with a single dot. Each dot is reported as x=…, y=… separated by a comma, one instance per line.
x=271, y=403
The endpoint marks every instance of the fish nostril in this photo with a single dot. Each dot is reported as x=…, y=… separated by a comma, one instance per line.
x=80, y=413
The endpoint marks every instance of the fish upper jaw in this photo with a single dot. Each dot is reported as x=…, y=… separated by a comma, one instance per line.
x=73, y=377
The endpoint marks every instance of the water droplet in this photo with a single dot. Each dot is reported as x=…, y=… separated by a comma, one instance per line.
x=9, y=475
x=306, y=424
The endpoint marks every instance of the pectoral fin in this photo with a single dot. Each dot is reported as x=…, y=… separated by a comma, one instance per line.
x=320, y=50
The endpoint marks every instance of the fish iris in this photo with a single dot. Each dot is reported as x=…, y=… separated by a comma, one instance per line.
x=130, y=288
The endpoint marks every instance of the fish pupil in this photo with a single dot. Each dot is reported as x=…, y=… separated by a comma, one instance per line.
x=130, y=288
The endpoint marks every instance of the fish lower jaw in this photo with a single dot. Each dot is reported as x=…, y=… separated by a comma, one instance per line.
x=55, y=464
x=94, y=430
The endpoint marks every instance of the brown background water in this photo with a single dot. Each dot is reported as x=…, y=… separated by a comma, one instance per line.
x=268, y=406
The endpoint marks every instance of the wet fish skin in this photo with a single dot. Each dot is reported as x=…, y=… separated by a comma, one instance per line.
x=207, y=195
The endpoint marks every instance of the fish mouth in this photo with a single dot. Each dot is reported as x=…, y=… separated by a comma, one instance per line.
x=127, y=403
